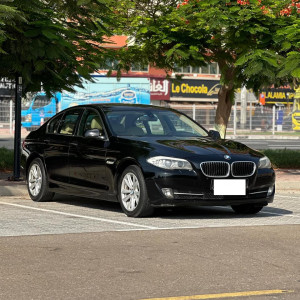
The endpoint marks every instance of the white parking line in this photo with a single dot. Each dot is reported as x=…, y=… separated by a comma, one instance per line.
x=284, y=196
x=79, y=216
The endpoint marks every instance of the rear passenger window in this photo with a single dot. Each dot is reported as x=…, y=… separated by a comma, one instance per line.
x=69, y=121
x=54, y=124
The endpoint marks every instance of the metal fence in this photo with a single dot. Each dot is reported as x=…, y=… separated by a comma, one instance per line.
x=7, y=113
x=243, y=120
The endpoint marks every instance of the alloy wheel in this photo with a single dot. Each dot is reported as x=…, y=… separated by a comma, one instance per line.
x=35, y=179
x=130, y=191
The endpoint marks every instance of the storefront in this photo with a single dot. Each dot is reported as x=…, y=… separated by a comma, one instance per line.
x=195, y=90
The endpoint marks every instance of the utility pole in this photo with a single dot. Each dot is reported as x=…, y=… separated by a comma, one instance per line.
x=17, y=139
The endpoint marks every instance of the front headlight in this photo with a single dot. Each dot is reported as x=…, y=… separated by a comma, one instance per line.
x=170, y=163
x=264, y=163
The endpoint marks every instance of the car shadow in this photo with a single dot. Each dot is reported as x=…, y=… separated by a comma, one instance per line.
x=187, y=212
x=216, y=212
x=88, y=203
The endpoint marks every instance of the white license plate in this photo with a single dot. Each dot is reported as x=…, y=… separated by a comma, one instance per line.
x=230, y=187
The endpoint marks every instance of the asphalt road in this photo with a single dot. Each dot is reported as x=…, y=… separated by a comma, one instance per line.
x=75, y=248
x=7, y=142
x=260, y=144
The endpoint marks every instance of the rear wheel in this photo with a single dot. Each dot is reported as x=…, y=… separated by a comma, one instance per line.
x=247, y=208
x=133, y=193
x=37, y=183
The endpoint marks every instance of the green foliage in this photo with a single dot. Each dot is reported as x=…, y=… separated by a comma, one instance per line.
x=289, y=39
x=55, y=43
x=244, y=39
x=8, y=15
x=6, y=159
x=284, y=158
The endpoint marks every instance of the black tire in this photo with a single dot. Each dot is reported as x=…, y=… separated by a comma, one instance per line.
x=37, y=182
x=138, y=204
x=247, y=208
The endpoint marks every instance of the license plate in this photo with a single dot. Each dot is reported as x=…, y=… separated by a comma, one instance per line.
x=230, y=187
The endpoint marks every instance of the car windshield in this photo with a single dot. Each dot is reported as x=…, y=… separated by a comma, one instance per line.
x=153, y=123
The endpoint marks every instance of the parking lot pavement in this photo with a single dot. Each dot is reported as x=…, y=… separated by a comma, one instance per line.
x=149, y=264
x=21, y=216
x=76, y=248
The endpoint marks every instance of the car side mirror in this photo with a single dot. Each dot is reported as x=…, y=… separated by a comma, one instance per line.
x=94, y=133
x=214, y=134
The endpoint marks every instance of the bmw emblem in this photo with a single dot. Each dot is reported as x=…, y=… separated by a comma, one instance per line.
x=227, y=157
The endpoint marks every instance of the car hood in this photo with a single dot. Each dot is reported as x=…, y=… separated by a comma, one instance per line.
x=189, y=147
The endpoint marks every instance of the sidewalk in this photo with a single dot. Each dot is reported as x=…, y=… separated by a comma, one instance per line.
x=5, y=133
x=287, y=181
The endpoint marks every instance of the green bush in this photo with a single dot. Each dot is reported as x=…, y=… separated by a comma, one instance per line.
x=6, y=159
x=284, y=158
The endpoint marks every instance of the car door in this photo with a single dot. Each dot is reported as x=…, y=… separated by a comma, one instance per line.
x=87, y=156
x=57, y=141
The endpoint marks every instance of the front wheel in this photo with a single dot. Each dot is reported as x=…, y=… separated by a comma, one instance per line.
x=133, y=193
x=247, y=208
x=37, y=183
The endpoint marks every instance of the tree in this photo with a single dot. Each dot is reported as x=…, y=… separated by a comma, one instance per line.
x=55, y=43
x=8, y=15
x=243, y=37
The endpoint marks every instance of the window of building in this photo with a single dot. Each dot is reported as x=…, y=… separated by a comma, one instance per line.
x=138, y=67
x=109, y=64
x=41, y=101
x=211, y=68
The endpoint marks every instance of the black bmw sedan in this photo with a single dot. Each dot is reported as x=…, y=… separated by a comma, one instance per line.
x=143, y=157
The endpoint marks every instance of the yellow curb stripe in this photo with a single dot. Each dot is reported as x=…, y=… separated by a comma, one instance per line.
x=224, y=295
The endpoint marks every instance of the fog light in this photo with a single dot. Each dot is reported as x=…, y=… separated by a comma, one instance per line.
x=168, y=193
x=270, y=190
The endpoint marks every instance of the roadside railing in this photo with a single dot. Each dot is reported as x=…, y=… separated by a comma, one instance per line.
x=252, y=119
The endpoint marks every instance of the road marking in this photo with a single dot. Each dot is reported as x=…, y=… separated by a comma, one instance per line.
x=79, y=216
x=224, y=295
x=284, y=196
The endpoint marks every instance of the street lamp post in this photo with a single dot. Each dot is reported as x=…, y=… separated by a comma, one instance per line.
x=17, y=138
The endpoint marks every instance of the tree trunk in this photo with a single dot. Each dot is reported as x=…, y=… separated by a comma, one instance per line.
x=223, y=110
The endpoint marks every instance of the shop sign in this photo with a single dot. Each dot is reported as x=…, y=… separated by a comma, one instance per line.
x=278, y=95
x=193, y=88
x=159, y=89
x=7, y=87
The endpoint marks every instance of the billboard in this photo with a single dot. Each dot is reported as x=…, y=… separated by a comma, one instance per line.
x=109, y=90
x=159, y=89
x=282, y=95
x=195, y=88
x=7, y=88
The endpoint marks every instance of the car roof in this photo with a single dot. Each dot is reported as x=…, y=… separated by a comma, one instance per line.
x=122, y=106
x=118, y=106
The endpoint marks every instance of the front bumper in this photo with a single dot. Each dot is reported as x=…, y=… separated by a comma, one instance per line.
x=193, y=188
